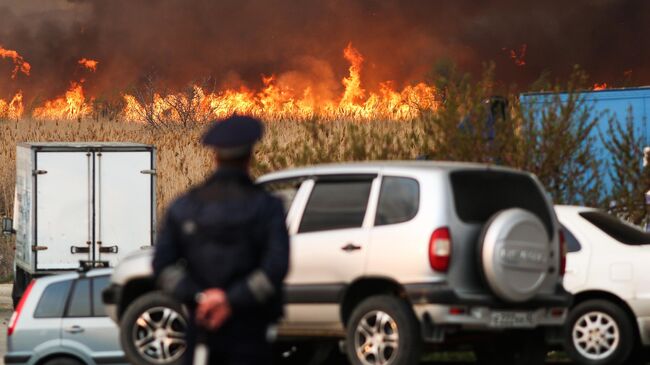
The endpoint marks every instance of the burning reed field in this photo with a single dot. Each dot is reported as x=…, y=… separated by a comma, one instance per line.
x=182, y=161
x=333, y=81
x=556, y=144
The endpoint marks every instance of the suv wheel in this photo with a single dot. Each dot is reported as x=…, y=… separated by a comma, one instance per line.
x=599, y=332
x=383, y=330
x=152, y=331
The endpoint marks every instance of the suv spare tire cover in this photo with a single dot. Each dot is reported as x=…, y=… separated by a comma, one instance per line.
x=514, y=254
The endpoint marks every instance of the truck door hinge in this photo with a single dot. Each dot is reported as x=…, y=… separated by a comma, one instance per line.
x=39, y=172
x=39, y=248
x=148, y=172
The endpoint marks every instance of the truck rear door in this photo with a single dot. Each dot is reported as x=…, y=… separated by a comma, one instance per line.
x=123, y=203
x=95, y=204
x=63, y=216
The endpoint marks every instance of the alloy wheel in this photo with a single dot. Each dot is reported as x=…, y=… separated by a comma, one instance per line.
x=376, y=339
x=159, y=335
x=595, y=335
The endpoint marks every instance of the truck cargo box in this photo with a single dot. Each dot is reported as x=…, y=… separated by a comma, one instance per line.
x=81, y=201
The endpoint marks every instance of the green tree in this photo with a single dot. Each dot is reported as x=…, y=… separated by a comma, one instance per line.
x=630, y=179
x=557, y=142
x=554, y=139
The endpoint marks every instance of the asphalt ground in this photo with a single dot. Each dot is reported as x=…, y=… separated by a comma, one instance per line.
x=6, y=310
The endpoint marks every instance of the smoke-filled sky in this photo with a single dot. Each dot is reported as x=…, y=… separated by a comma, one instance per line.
x=234, y=42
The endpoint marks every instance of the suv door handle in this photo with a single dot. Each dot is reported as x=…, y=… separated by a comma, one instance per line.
x=74, y=329
x=350, y=247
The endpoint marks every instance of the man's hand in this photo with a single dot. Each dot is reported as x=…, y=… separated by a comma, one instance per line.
x=213, y=309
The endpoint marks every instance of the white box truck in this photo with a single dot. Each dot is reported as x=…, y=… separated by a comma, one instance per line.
x=92, y=202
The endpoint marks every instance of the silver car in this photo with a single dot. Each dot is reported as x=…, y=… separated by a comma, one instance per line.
x=61, y=320
x=393, y=256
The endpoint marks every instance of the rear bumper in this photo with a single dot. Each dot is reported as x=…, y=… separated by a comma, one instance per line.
x=481, y=318
x=16, y=359
x=644, y=330
x=111, y=296
x=443, y=311
x=439, y=321
x=441, y=293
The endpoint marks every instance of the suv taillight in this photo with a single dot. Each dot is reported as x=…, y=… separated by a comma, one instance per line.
x=440, y=249
x=14, y=317
x=563, y=252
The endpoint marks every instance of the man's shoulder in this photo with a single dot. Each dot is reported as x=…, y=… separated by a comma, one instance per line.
x=182, y=203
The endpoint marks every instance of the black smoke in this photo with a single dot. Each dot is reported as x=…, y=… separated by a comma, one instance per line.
x=234, y=42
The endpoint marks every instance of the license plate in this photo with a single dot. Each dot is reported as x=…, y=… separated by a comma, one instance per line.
x=512, y=319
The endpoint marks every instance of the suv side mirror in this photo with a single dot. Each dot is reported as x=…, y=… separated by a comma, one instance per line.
x=7, y=226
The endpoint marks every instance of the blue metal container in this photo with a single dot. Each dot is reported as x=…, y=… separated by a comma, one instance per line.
x=606, y=104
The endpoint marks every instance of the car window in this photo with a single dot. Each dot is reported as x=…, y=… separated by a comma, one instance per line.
x=99, y=284
x=52, y=302
x=572, y=244
x=479, y=194
x=285, y=189
x=336, y=205
x=79, y=303
x=399, y=200
x=617, y=229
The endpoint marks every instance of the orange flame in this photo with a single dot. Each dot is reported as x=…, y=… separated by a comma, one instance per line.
x=19, y=62
x=352, y=83
x=88, y=64
x=601, y=86
x=281, y=102
x=72, y=105
x=277, y=100
x=519, y=58
x=13, y=109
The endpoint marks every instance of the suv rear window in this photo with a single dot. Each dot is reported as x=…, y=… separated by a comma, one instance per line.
x=478, y=194
x=52, y=301
x=617, y=229
x=399, y=200
x=336, y=205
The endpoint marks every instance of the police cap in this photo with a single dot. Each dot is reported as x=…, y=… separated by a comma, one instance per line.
x=234, y=136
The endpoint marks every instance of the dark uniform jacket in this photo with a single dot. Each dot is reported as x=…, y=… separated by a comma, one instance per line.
x=230, y=234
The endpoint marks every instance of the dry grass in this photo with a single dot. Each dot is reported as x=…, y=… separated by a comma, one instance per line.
x=182, y=161
x=555, y=144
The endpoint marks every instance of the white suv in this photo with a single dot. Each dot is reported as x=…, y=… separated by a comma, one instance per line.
x=608, y=266
x=395, y=255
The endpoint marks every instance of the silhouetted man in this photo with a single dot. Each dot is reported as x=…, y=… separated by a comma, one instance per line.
x=223, y=250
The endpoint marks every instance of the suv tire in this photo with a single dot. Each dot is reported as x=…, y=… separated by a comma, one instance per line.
x=388, y=327
x=594, y=321
x=513, y=348
x=154, y=312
